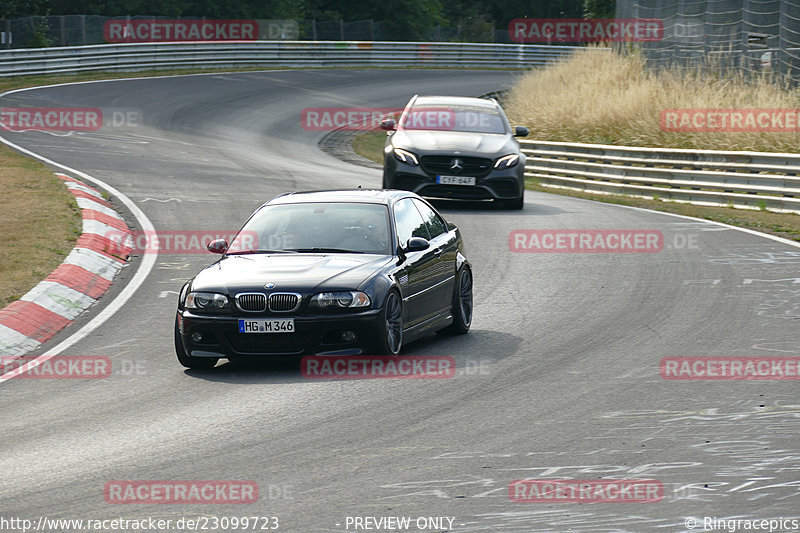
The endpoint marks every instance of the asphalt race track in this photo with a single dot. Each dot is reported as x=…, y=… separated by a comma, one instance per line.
x=558, y=378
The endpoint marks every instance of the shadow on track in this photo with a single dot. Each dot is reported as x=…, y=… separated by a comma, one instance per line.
x=475, y=354
x=490, y=208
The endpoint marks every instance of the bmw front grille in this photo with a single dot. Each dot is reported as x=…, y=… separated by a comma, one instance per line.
x=251, y=302
x=284, y=302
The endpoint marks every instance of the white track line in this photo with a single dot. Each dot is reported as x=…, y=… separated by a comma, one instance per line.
x=133, y=79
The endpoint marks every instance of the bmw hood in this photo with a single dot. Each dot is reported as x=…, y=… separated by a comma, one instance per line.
x=480, y=144
x=288, y=272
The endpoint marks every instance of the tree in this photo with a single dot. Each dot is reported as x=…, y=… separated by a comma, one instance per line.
x=23, y=8
x=599, y=9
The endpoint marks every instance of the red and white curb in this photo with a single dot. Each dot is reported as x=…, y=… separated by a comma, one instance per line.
x=83, y=277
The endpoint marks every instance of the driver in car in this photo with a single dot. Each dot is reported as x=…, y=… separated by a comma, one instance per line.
x=369, y=236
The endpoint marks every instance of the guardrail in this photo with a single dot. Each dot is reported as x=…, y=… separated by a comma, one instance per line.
x=147, y=56
x=739, y=179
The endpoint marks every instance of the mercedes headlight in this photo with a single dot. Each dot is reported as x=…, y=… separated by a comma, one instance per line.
x=507, y=161
x=405, y=156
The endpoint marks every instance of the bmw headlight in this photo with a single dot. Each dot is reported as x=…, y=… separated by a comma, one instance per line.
x=507, y=161
x=405, y=156
x=207, y=301
x=340, y=300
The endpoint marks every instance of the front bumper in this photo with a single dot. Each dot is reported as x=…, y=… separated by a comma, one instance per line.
x=319, y=334
x=500, y=189
x=496, y=185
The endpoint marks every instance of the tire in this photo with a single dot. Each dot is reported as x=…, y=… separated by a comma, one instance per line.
x=462, y=303
x=197, y=363
x=391, y=329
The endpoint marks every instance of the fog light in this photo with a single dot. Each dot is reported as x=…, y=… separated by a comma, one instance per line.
x=348, y=336
x=197, y=336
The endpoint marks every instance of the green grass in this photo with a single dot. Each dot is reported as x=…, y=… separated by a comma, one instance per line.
x=370, y=145
x=39, y=224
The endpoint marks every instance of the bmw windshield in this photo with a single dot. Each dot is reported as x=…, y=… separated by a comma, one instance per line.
x=335, y=227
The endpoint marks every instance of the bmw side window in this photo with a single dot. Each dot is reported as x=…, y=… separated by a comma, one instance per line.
x=434, y=222
x=409, y=222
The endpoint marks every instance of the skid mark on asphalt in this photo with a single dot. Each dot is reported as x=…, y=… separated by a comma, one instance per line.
x=756, y=258
x=772, y=298
x=738, y=452
x=561, y=521
x=791, y=347
x=697, y=226
x=173, y=265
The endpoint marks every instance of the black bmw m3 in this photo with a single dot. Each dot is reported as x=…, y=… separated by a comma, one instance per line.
x=327, y=272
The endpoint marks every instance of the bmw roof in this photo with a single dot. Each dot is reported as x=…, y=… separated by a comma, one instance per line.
x=374, y=196
x=455, y=101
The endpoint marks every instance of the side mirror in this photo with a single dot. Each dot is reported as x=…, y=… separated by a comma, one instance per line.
x=388, y=124
x=219, y=246
x=417, y=244
x=521, y=131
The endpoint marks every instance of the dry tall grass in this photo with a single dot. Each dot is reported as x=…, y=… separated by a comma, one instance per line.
x=600, y=96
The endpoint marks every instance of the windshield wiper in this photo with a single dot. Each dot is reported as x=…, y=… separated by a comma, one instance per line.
x=243, y=252
x=329, y=250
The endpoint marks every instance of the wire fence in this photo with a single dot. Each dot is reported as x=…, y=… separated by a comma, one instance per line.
x=750, y=36
x=76, y=30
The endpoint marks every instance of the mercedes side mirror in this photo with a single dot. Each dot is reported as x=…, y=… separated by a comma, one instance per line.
x=521, y=131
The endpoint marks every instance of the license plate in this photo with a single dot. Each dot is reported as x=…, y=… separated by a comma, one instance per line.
x=455, y=180
x=277, y=325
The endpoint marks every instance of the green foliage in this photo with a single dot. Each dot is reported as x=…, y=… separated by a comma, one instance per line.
x=22, y=8
x=599, y=9
x=406, y=19
x=40, y=38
